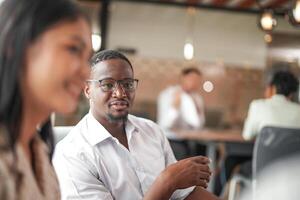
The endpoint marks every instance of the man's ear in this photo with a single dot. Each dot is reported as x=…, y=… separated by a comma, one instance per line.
x=267, y=93
x=273, y=90
x=87, y=91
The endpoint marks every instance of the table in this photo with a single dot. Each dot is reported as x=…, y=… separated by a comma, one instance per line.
x=211, y=137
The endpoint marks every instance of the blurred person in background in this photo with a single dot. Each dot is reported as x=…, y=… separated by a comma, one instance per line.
x=118, y=155
x=45, y=46
x=181, y=107
x=277, y=109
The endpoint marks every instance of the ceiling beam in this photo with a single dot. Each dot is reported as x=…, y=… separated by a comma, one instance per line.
x=275, y=3
x=278, y=11
x=246, y=4
x=219, y=2
x=104, y=22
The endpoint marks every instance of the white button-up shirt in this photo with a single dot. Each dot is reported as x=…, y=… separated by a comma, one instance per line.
x=186, y=117
x=92, y=164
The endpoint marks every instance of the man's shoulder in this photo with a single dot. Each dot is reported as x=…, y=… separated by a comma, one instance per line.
x=258, y=103
x=268, y=105
x=73, y=138
x=292, y=109
x=282, y=100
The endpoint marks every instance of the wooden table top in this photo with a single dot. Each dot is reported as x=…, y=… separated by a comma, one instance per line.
x=212, y=135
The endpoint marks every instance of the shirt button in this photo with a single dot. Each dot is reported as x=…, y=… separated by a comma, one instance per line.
x=82, y=157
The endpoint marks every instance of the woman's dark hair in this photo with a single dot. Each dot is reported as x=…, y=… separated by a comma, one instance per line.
x=21, y=23
x=285, y=82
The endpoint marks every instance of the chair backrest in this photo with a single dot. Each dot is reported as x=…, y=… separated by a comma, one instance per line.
x=274, y=144
x=60, y=132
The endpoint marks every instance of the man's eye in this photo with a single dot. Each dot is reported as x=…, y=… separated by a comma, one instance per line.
x=107, y=86
x=128, y=85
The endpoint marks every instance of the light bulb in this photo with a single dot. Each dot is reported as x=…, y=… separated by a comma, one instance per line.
x=96, y=42
x=188, y=51
x=296, y=12
x=267, y=22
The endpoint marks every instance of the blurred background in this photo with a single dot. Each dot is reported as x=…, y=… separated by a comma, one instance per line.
x=235, y=43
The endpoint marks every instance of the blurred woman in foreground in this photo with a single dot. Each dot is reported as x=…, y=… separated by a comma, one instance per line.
x=44, y=52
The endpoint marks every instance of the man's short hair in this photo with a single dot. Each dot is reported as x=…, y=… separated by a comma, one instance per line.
x=108, y=55
x=189, y=70
x=285, y=82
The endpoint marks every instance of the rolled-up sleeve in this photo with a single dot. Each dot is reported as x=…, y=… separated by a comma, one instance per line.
x=189, y=111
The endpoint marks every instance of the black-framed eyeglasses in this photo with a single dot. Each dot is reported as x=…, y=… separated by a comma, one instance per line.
x=109, y=84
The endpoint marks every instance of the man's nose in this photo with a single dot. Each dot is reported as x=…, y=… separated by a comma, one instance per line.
x=119, y=92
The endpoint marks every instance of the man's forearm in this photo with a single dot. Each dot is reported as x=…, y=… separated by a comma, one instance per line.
x=160, y=190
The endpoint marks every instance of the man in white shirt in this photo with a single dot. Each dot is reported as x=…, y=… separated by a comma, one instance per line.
x=113, y=155
x=277, y=109
x=181, y=107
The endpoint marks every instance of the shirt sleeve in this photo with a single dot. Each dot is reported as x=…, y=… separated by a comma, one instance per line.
x=167, y=114
x=188, y=109
x=250, y=129
x=202, y=114
x=170, y=159
x=78, y=177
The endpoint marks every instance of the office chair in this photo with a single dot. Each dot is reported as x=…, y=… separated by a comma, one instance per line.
x=273, y=144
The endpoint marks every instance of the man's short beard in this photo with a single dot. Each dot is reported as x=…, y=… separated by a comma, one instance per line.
x=112, y=118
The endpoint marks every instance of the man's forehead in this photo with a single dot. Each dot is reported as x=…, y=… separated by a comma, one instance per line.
x=111, y=67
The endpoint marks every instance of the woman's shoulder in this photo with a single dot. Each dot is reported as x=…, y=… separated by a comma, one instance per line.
x=7, y=182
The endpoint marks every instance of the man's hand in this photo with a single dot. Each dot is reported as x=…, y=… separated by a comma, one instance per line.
x=183, y=174
x=188, y=172
x=177, y=98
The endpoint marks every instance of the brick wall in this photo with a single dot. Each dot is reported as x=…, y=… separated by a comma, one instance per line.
x=234, y=88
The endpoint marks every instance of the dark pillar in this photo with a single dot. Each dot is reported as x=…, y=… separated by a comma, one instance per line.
x=104, y=18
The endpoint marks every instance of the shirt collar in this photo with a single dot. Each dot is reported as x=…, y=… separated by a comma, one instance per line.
x=130, y=128
x=96, y=133
x=278, y=97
